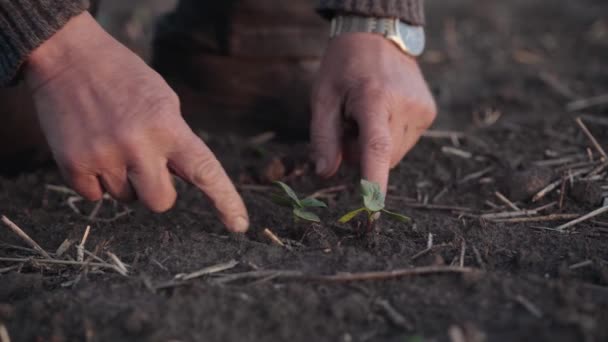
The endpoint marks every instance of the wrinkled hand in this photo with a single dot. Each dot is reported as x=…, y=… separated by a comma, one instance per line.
x=113, y=124
x=370, y=103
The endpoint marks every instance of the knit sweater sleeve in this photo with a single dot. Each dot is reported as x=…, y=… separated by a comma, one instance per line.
x=411, y=11
x=26, y=24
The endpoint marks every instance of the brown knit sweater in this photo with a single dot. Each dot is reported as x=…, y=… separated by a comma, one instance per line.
x=26, y=24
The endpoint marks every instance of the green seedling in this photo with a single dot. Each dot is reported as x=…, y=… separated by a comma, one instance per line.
x=299, y=207
x=373, y=205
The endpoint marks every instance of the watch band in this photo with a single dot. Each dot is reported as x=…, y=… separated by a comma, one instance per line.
x=352, y=24
x=410, y=39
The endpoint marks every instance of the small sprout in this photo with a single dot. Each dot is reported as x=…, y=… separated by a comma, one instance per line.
x=373, y=205
x=299, y=207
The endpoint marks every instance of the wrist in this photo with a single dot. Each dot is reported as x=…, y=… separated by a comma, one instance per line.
x=79, y=39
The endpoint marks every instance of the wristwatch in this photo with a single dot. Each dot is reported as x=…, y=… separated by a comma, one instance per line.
x=409, y=38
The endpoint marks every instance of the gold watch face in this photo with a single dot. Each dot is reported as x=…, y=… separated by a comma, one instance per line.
x=413, y=38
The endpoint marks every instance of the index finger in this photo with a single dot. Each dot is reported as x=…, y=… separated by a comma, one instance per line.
x=194, y=162
x=375, y=144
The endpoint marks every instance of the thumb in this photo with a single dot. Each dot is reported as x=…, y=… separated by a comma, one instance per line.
x=326, y=133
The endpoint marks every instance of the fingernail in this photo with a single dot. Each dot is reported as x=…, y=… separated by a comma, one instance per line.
x=321, y=166
x=240, y=225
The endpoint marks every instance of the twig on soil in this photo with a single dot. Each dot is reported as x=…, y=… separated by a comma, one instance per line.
x=557, y=85
x=61, y=189
x=463, y=250
x=533, y=309
x=8, y=269
x=407, y=203
x=427, y=250
x=347, y=277
x=476, y=175
x=456, y=152
x=581, y=264
x=80, y=247
x=275, y=238
x=120, y=266
x=208, y=270
x=555, y=184
x=262, y=138
x=95, y=210
x=562, y=193
x=590, y=136
x=587, y=103
x=327, y=191
x=182, y=278
x=478, y=257
x=508, y=214
x=23, y=235
x=546, y=218
x=506, y=201
x=65, y=245
x=58, y=262
x=582, y=218
x=439, y=195
x=393, y=315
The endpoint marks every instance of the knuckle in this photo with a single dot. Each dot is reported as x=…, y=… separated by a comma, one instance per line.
x=381, y=146
x=206, y=171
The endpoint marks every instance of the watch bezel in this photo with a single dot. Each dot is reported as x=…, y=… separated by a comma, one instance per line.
x=412, y=38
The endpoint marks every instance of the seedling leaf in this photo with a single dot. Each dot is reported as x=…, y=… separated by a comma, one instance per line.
x=312, y=203
x=373, y=198
x=289, y=192
x=281, y=200
x=396, y=216
x=306, y=215
x=351, y=215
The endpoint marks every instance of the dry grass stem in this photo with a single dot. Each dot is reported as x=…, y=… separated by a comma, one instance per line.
x=80, y=247
x=262, y=138
x=456, y=152
x=328, y=191
x=581, y=264
x=546, y=218
x=463, y=250
x=393, y=315
x=508, y=214
x=23, y=235
x=533, y=309
x=58, y=262
x=476, y=175
x=347, y=277
x=407, y=202
x=275, y=239
x=120, y=266
x=506, y=201
x=590, y=136
x=208, y=270
x=95, y=210
x=577, y=105
x=583, y=218
x=61, y=189
x=65, y=245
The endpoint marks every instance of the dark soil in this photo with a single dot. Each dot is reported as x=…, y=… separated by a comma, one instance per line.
x=524, y=60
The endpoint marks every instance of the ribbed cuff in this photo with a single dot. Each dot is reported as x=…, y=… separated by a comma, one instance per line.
x=411, y=11
x=26, y=24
